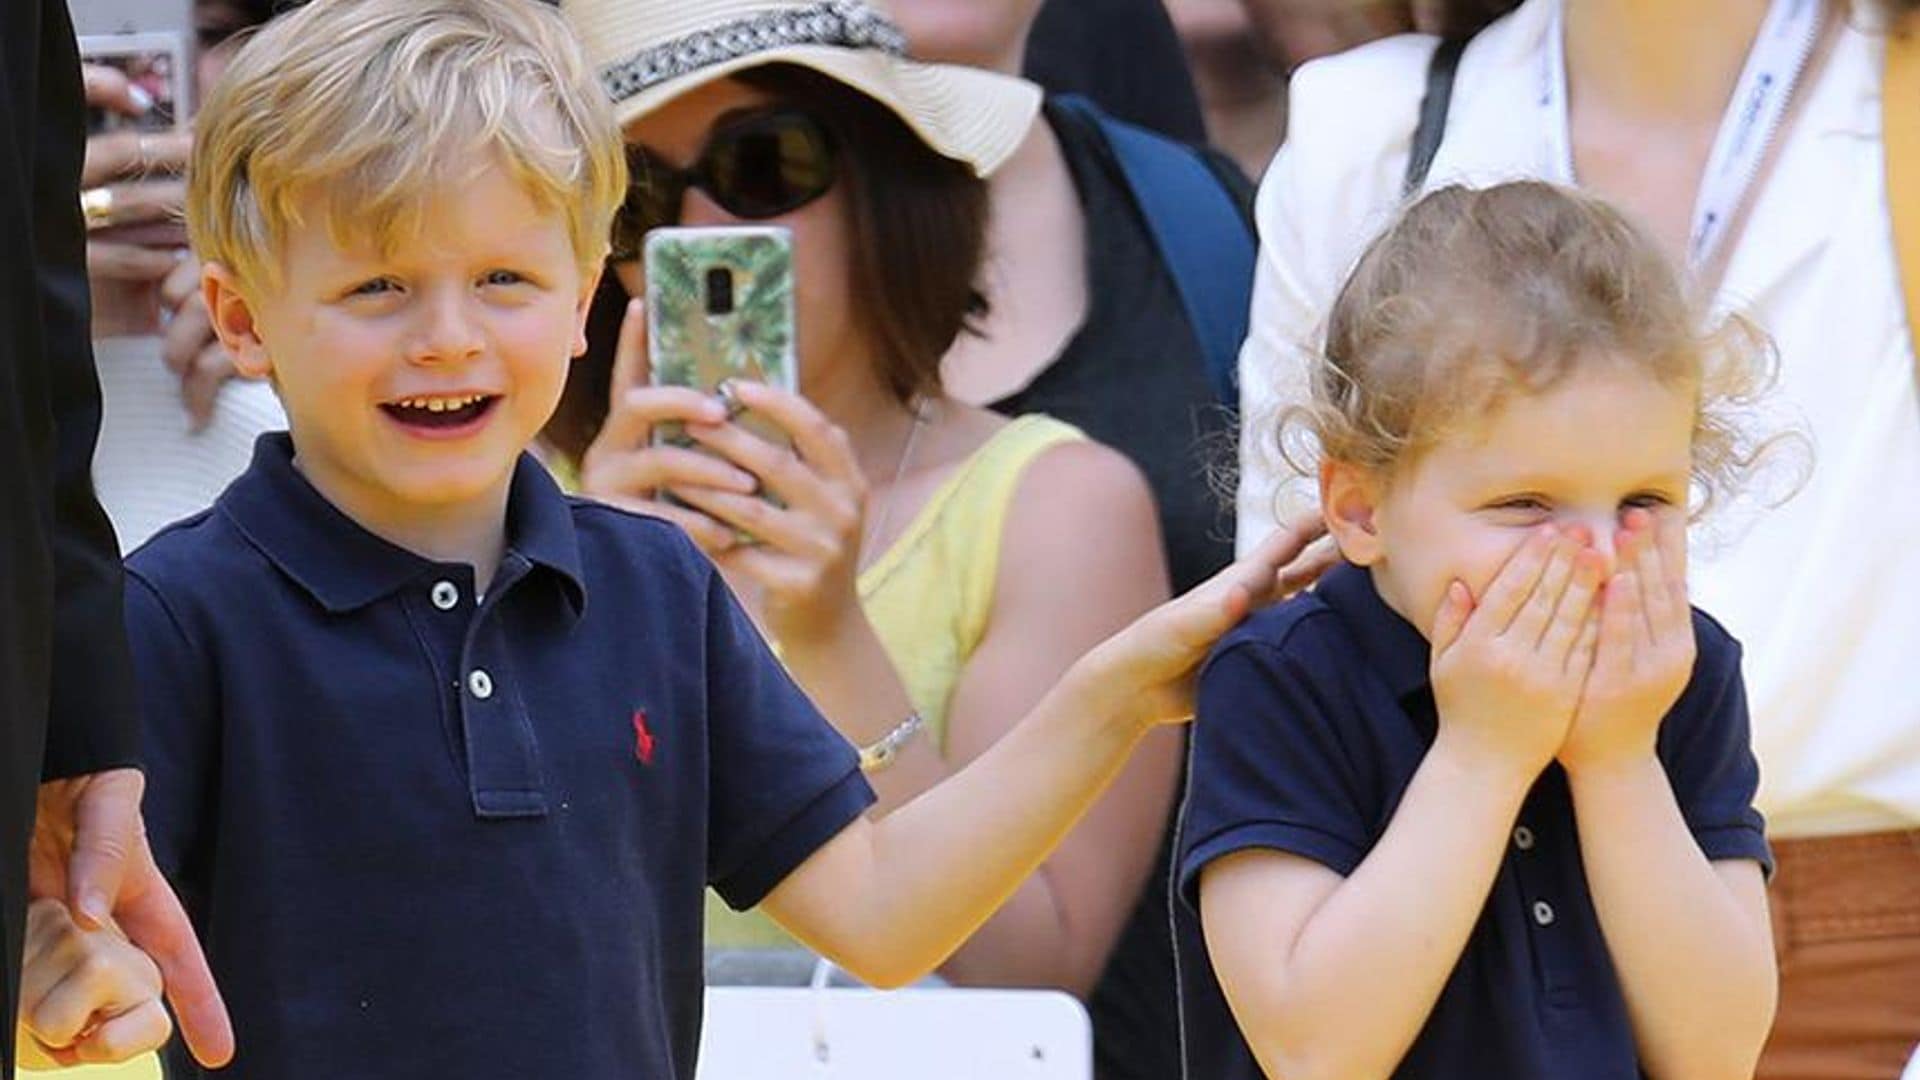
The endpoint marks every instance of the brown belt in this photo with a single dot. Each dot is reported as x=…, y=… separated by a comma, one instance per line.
x=1860, y=886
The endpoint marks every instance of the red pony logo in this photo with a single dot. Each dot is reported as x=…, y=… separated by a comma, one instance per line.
x=642, y=738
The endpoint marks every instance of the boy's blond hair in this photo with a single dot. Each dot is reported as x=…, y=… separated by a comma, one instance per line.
x=380, y=106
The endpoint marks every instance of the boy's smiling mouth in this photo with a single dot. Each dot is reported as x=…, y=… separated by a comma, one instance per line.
x=441, y=413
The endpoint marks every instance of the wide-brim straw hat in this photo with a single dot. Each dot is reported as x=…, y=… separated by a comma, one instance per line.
x=648, y=52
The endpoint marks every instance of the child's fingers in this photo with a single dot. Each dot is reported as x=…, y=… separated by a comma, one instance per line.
x=141, y=1029
x=1288, y=560
x=1175, y=636
x=1575, y=612
x=1306, y=568
x=62, y=1015
x=1530, y=624
x=1663, y=577
x=1455, y=608
x=1515, y=582
x=51, y=944
x=1621, y=622
x=1586, y=647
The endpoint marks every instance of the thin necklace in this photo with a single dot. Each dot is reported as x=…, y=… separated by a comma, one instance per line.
x=878, y=527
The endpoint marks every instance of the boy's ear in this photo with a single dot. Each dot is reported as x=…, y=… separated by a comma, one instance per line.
x=589, y=290
x=234, y=321
x=1350, y=500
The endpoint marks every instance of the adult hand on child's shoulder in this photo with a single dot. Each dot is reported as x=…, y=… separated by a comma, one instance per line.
x=1646, y=647
x=1147, y=671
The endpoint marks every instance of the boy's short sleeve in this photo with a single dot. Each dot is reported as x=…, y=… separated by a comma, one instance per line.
x=783, y=781
x=1268, y=768
x=179, y=731
x=1706, y=748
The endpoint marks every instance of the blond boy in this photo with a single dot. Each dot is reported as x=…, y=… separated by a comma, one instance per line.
x=440, y=759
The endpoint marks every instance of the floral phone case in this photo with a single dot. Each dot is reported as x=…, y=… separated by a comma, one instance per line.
x=720, y=307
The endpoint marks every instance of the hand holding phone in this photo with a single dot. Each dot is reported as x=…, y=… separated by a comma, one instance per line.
x=626, y=467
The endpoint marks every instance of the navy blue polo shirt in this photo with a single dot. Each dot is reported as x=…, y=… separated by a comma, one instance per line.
x=1313, y=717
x=426, y=834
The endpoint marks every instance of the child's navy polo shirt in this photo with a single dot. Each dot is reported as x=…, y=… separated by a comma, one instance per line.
x=426, y=835
x=1313, y=717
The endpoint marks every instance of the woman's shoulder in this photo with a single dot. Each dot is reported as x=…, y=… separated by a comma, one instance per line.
x=1351, y=117
x=1035, y=465
x=1349, y=111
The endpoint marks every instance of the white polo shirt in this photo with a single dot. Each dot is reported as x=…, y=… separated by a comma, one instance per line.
x=1824, y=591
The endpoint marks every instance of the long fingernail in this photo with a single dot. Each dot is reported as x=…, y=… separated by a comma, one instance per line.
x=142, y=100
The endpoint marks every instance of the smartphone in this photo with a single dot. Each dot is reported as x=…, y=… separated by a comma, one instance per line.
x=150, y=41
x=719, y=308
x=155, y=62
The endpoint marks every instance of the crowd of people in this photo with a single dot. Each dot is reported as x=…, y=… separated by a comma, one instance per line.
x=1511, y=489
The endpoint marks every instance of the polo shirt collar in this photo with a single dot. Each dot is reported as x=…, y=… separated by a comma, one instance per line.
x=345, y=567
x=1394, y=648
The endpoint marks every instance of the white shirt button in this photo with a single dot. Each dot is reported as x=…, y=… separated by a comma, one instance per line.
x=480, y=684
x=1543, y=913
x=446, y=595
x=1523, y=838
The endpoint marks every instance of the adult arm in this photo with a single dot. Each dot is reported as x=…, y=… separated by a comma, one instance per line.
x=92, y=725
x=89, y=843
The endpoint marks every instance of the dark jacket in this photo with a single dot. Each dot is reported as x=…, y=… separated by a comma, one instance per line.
x=66, y=694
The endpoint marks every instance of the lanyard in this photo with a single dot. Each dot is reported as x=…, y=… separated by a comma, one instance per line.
x=1753, y=116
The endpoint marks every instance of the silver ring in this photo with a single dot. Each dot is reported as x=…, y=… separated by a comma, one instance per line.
x=730, y=398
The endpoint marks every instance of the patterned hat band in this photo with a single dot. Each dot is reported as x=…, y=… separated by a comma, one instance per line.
x=848, y=24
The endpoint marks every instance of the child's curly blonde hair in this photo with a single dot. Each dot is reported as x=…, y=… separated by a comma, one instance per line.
x=1477, y=294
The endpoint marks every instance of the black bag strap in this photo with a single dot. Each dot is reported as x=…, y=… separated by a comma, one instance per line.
x=1433, y=112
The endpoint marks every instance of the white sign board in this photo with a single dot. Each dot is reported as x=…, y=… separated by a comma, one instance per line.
x=763, y=1033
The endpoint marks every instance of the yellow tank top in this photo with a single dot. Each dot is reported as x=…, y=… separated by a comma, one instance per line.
x=928, y=597
x=144, y=1067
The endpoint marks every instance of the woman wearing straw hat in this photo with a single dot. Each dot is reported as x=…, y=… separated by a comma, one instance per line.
x=931, y=568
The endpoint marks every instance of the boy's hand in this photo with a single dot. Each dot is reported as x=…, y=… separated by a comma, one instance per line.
x=86, y=996
x=1508, y=670
x=1147, y=671
x=1646, y=648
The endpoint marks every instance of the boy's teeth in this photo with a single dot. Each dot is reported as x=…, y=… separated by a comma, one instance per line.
x=442, y=404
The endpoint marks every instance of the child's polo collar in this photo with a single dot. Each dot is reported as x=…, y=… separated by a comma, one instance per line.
x=344, y=567
x=1394, y=648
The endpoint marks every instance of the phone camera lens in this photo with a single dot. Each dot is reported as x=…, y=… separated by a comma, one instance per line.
x=719, y=291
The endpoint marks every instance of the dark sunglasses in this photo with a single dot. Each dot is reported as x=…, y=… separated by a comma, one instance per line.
x=757, y=167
